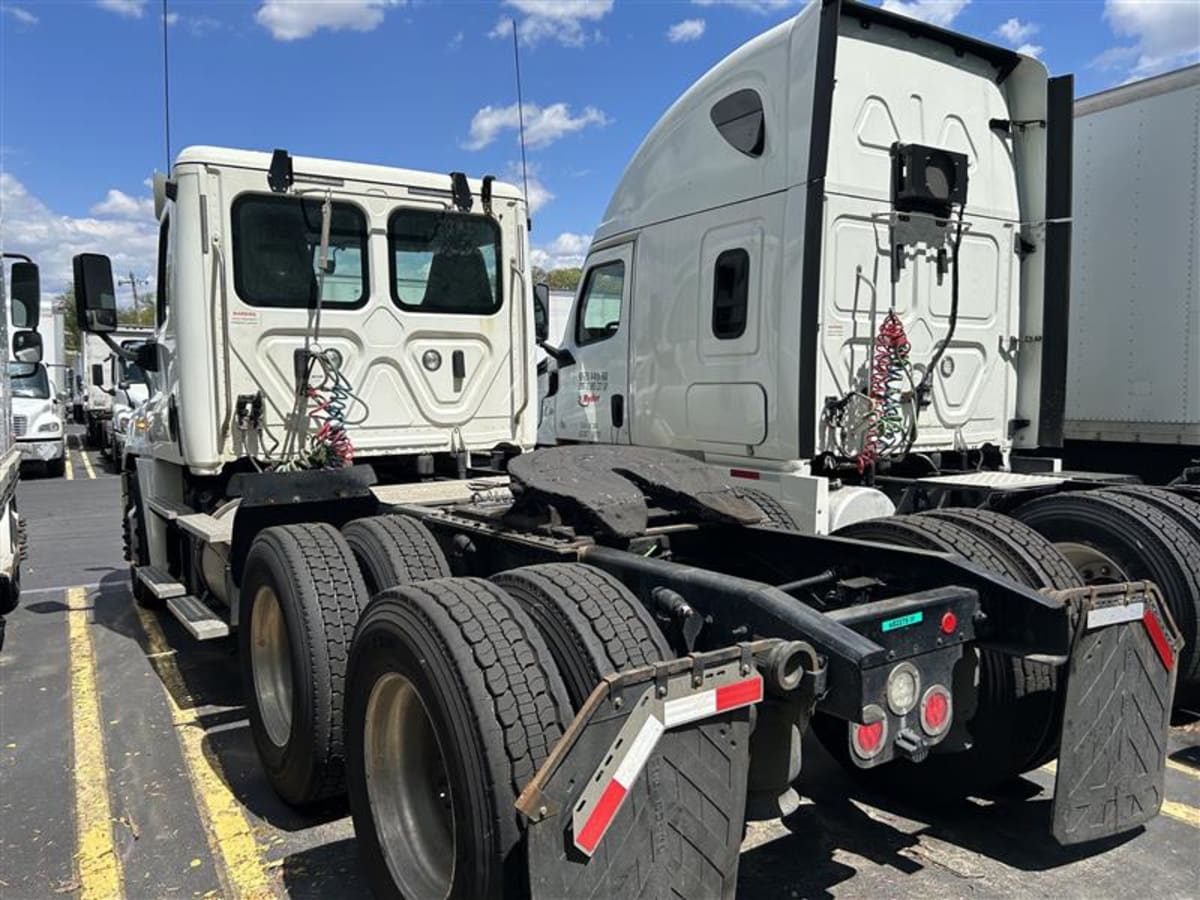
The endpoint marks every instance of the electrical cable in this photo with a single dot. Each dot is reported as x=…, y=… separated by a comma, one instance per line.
x=925, y=384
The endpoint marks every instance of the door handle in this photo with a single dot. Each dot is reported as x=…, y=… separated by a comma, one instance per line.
x=618, y=411
x=458, y=364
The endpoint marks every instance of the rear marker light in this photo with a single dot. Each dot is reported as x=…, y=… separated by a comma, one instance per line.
x=748, y=474
x=937, y=710
x=949, y=623
x=868, y=739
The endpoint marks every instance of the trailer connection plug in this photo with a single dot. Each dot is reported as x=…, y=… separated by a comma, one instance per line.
x=248, y=411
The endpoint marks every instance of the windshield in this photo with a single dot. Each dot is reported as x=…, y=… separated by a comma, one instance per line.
x=34, y=385
x=444, y=262
x=276, y=245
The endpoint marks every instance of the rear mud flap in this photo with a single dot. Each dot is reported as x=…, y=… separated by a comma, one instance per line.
x=645, y=794
x=1120, y=683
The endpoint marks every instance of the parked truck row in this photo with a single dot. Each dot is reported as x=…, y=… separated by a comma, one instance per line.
x=819, y=301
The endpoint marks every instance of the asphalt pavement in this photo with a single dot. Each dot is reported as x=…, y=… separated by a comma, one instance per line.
x=127, y=769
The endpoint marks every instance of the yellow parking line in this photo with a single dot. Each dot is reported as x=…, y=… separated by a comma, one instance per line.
x=98, y=861
x=1181, y=812
x=230, y=837
x=1190, y=771
x=87, y=464
x=70, y=470
x=1172, y=809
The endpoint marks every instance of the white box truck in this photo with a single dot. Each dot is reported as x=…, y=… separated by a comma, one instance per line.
x=1133, y=386
x=20, y=290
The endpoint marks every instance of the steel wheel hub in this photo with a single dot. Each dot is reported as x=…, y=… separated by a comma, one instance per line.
x=271, y=663
x=408, y=789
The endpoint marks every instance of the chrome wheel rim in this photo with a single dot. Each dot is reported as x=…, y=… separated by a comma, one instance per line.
x=271, y=662
x=408, y=789
x=1093, y=565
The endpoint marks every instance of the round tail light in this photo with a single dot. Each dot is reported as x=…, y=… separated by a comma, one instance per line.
x=903, y=688
x=937, y=710
x=868, y=739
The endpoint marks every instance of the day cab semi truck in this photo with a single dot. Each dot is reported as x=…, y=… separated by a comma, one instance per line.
x=20, y=298
x=855, y=301
x=112, y=384
x=579, y=670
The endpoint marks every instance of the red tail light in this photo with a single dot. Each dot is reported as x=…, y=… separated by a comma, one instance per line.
x=937, y=710
x=868, y=739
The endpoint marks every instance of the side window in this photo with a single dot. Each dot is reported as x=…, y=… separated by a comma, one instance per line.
x=600, y=309
x=160, y=306
x=731, y=293
x=739, y=118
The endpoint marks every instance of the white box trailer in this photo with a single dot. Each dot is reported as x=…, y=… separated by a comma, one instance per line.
x=1134, y=352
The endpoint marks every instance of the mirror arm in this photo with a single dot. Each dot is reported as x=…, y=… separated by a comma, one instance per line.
x=127, y=355
x=560, y=356
x=20, y=256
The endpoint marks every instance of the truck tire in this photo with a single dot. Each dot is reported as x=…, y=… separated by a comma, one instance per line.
x=394, y=550
x=1114, y=536
x=1015, y=722
x=453, y=702
x=57, y=468
x=593, y=624
x=1184, y=510
x=1043, y=566
x=775, y=514
x=133, y=534
x=301, y=597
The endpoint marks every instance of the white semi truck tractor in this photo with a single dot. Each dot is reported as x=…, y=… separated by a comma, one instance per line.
x=104, y=374
x=855, y=302
x=20, y=285
x=534, y=672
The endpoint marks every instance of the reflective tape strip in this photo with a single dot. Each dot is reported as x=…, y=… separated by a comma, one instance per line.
x=680, y=711
x=639, y=752
x=708, y=703
x=610, y=801
x=1158, y=639
x=1114, y=615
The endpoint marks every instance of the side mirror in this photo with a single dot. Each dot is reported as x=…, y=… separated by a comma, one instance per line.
x=97, y=375
x=123, y=385
x=541, y=311
x=147, y=356
x=26, y=295
x=95, y=297
x=27, y=346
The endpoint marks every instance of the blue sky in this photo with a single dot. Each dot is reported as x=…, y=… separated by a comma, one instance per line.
x=422, y=84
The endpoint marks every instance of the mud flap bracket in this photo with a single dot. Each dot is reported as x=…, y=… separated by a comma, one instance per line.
x=1117, y=710
x=645, y=794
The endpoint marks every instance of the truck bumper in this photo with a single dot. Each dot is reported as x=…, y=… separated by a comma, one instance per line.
x=41, y=451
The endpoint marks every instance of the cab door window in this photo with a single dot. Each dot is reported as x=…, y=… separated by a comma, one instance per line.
x=600, y=308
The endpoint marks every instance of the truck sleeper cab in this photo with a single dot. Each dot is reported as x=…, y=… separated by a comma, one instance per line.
x=838, y=269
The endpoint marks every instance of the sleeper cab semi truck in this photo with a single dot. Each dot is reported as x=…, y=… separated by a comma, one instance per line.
x=541, y=682
x=838, y=269
x=20, y=284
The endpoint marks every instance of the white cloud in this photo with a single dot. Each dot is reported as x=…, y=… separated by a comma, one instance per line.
x=1034, y=50
x=132, y=9
x=539, y=195
x=566, y=251
x=27, y=225
x=936, y=12
x=291, y=20
x=1165, y=34
x=121, y=205
x=1017, y=32
x=565, y=21
x=687, y=30
x=762, y=7
x=543, y=124
x=456, y=42
x=24, y=16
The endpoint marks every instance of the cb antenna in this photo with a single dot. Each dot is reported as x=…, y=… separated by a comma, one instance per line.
x=520, y=121
x=166, y=88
